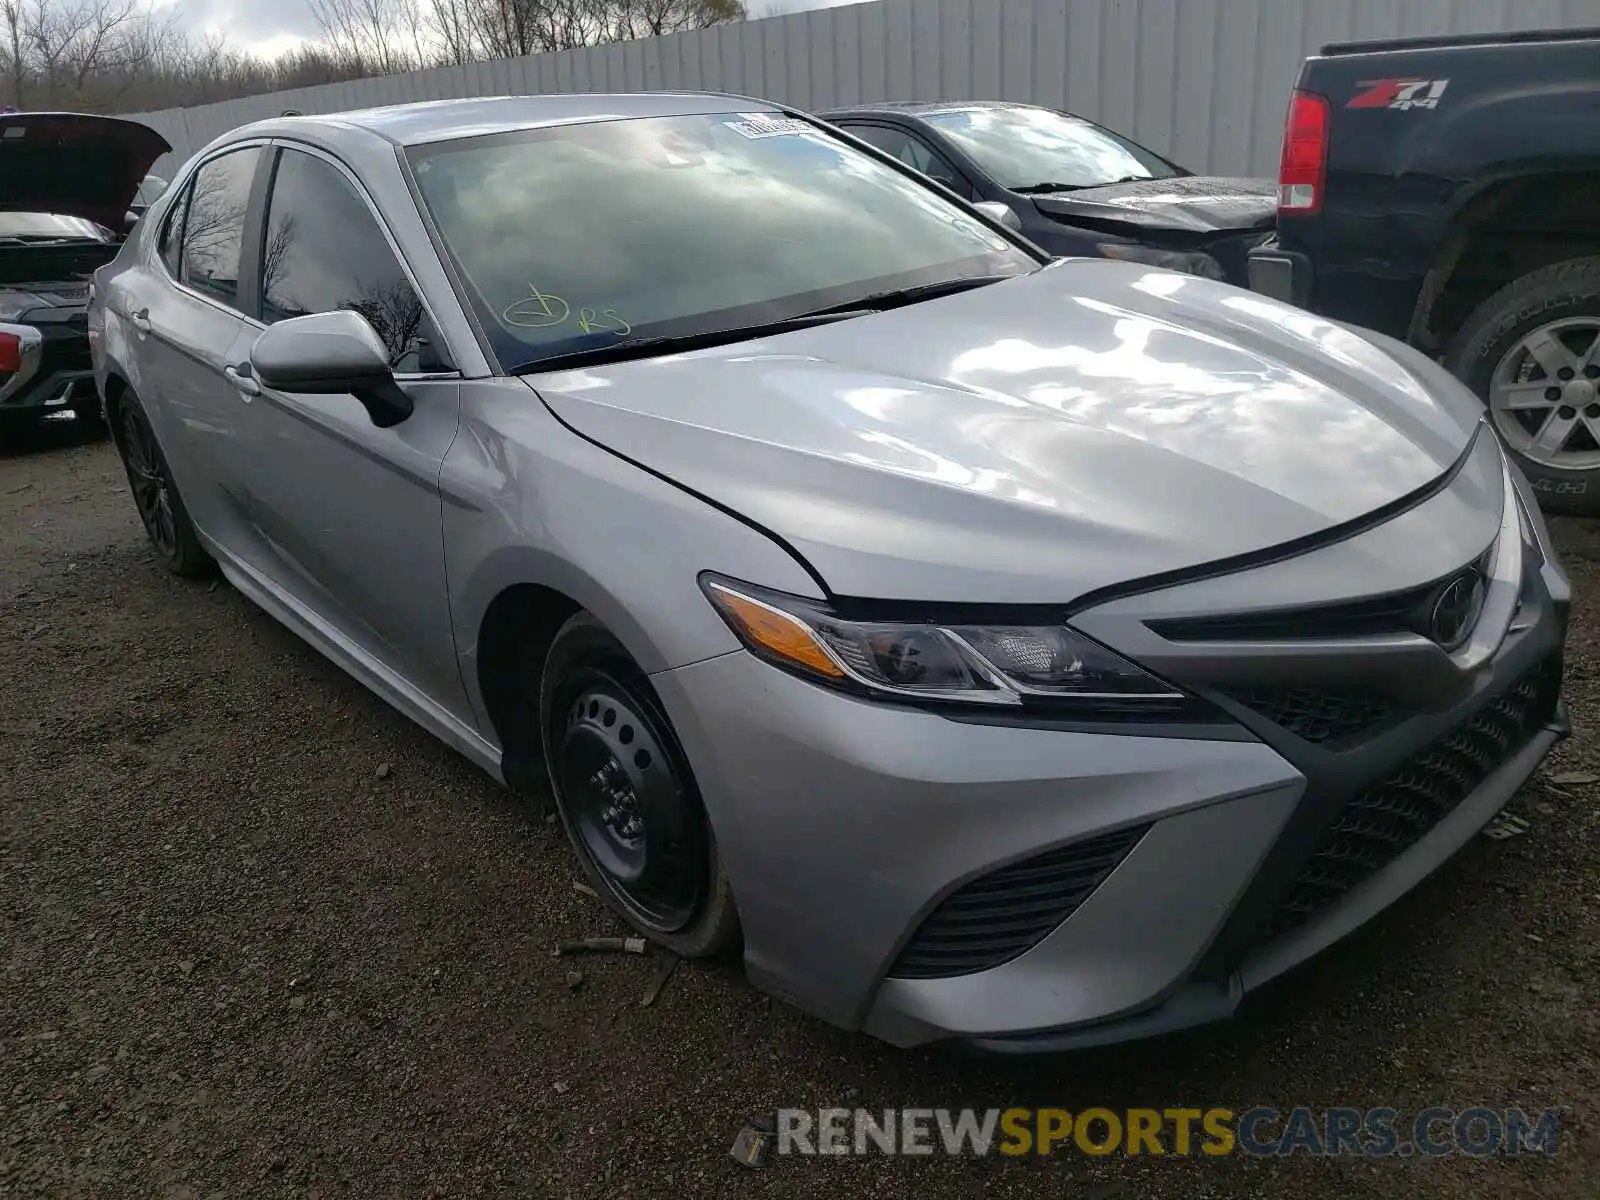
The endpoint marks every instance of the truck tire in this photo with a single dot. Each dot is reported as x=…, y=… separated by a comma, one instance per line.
x=1531, y=351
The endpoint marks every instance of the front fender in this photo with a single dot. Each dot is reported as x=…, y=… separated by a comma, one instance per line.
x=527, y=501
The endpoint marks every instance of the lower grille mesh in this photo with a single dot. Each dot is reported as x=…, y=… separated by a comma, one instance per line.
x=1001, y=915
x=1322, y=718
x=1391, y=815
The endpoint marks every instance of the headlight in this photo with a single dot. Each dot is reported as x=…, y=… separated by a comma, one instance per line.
x=1191, y=262
x=972, y=664
x=13, y=306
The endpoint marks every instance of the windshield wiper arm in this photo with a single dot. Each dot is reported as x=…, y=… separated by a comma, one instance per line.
x=1044, y=189
x=652, y=347
x=911, y=295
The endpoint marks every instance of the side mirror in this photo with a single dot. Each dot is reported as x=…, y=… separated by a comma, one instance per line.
x=331, y=354
x=1000, y=214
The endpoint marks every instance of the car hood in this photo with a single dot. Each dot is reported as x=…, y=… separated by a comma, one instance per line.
x=1194, y=204
x=15, y=301
x=83, y=166
x=1037, y=439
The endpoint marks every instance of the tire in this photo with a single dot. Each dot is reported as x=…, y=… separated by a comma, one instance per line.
x=155, y=495
x=627, y=798
x=1517, y=351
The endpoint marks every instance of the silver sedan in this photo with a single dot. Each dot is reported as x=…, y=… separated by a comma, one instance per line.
x=1031, y=652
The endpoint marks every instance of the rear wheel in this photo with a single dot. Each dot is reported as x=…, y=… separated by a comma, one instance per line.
x=627, y=798
x=155, y=495
x=1532, y=351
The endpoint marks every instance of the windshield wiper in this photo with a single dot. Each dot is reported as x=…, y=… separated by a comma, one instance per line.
x=911, y=295
x=652, y=347
x=46, y=239
x=1045, y=189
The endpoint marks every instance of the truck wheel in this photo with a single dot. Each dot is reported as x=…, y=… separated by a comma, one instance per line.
x=1532, y=351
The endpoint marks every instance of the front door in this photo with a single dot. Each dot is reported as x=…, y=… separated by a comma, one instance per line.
x=350, y=512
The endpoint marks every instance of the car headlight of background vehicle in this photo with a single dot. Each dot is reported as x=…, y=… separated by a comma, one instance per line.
x=1191, y=262
x=999, y=664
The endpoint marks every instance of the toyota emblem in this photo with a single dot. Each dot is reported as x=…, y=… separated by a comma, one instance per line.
x=1455, y=609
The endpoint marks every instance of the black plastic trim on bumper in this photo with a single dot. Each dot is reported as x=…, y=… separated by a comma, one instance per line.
x=1202, y=1003
x=1281, y=274
x=39, y=399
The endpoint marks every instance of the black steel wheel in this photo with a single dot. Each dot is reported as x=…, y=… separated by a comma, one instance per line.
x=628, y=808
x=155, y=496
x=626, y=796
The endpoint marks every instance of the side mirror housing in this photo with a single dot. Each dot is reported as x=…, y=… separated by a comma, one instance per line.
x=331, y=354
x=1000, y=214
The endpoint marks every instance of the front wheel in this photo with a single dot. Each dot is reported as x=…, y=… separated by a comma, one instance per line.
x=1532, y=352
x=627, y=798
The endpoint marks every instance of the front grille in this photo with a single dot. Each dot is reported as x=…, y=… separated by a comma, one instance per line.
x=1391, y=815
x=1372, y=616
x=997, y=917
x=1321, y=718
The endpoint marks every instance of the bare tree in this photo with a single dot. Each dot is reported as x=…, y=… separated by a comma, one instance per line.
x=123, y=55
x=11, y=12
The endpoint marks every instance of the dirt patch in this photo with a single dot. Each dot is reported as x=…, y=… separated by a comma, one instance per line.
x=239, y=959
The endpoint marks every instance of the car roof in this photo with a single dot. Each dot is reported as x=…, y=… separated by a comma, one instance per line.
x=915, y=108
x=441, y=120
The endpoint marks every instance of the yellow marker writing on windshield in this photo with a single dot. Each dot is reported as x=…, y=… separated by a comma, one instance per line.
x=606, y=321
x=538, y=311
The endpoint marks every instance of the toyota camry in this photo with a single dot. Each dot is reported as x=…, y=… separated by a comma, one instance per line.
x=1034, y=653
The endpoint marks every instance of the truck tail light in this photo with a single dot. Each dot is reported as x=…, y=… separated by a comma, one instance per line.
x=1303, y=169
x=10, y=354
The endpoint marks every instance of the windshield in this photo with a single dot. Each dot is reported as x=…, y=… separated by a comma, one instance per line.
x=580, y=236
x=48, y=227
x=1022, y=147
x=150, y=189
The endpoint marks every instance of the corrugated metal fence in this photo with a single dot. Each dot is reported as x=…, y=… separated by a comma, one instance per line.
x=1202, y=81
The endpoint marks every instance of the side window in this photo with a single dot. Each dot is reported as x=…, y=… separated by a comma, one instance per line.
x=916, y=154
x=170, y=242
x=213, y=231
x=324, y=251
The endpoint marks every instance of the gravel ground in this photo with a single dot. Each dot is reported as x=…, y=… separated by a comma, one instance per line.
x=261, y=938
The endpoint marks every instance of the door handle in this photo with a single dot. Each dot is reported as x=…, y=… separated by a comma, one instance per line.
x=241, y=377
x=140, y=320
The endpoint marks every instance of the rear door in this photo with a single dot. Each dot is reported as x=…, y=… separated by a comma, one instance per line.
x=190, y=322
x=352, y=513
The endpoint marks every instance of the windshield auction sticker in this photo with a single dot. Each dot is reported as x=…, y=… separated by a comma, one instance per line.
x=765, y=125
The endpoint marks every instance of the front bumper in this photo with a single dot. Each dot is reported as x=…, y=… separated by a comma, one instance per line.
x=55, y=378
x=849, y=829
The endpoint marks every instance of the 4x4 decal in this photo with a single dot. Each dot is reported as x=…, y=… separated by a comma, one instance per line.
x=1399, y=93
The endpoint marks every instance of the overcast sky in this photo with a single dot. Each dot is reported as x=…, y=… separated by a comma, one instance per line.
x=272, y=26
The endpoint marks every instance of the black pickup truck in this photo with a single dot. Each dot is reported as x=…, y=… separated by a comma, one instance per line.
x=1446, y=191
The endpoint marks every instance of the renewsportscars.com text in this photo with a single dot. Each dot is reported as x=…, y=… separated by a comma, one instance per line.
x=1334, y=1132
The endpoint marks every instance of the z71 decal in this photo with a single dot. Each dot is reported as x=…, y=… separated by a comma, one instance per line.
x=1399, y=93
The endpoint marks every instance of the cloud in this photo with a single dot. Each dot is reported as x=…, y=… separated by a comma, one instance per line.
x=271, y=27
x=248, y=24
x=762, y=8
